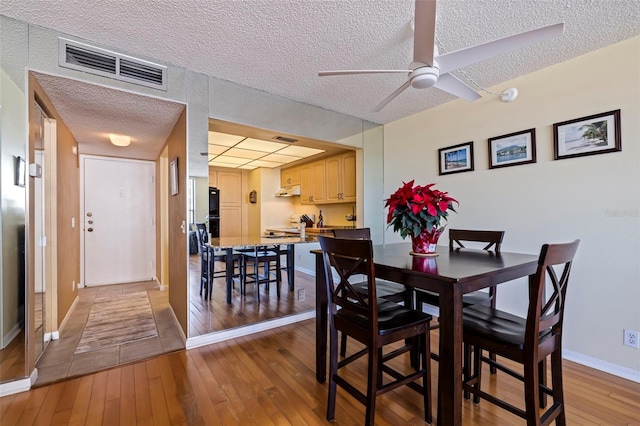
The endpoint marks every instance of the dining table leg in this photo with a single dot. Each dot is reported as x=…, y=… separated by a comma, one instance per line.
x=321, y=321
x=450, y=356
x=291, y=276
x=229, y=273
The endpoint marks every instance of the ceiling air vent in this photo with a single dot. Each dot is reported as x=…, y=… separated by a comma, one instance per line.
x=284, y=139
x=94, y=60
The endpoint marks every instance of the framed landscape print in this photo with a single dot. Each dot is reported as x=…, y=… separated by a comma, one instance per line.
x=596, y=134
x=456, y=159
x=512, y=149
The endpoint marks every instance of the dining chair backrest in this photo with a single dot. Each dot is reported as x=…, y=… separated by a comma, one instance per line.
x=353, y=233
x=349, y=257
x=203, y=237
x=493, y=239
x=546, y=309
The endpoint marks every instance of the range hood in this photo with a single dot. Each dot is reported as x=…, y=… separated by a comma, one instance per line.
x=288, y=191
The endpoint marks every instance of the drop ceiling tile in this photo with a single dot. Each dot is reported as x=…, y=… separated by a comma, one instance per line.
x=277, y=157
x=222, y=164
x=245, y=153
x=300, y=151
x=232, y=160
x=248, y=167
x=258, y=145
x=263, y=163
x=217, y=149
x=216, y=138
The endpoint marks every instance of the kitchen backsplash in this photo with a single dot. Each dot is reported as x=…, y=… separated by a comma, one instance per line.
x=333, y=214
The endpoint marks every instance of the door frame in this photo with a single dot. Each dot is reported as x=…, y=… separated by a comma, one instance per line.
x=82, y=209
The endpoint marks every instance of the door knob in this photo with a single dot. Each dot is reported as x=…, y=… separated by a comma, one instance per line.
x=90, y=229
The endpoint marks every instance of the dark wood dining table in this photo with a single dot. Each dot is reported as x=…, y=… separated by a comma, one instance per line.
x=450, y=274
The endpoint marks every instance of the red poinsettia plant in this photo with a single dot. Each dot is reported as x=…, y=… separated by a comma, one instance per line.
x=413, y=209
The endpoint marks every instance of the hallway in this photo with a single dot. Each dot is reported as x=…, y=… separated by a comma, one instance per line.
x=64, y=358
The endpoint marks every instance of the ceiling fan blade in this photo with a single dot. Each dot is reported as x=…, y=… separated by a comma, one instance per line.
x=424, y=31
x=451, y=84
x=471, y=55
x=347, y=72
x=392, y=96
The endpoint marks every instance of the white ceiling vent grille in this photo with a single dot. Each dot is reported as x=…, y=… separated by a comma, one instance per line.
x=94, y=60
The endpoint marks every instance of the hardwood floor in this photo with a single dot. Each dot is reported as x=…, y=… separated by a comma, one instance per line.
x=269, y=378
x=207, y=316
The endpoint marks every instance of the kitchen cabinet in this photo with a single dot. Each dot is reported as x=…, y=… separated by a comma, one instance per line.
x=230, y=185
x=312, y=183
x=341, y=178
x=290, y=177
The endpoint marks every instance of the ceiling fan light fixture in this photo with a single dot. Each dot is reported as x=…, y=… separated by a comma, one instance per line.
x=120, y=140
x=424, y=77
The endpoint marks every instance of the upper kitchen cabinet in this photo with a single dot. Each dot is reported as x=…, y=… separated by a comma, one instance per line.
x=230, y=185
x=290, y=177
x=341, y=178
x=312, y=183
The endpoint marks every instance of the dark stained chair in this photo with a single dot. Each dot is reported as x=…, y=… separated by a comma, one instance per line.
x=489, y=240
x=527, y=341
x=208, y=257
x=373, y=322
x=387, y=290
x=269, y=258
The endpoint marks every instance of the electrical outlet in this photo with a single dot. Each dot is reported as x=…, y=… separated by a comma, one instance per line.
x=632, y=339
x=301, y=294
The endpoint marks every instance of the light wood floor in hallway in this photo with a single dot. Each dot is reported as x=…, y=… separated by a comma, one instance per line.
x=269, y=378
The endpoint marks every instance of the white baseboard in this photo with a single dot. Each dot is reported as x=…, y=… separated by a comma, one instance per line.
x=605, y=366
x=20, y=385
x=207, y=339
x=177, y=323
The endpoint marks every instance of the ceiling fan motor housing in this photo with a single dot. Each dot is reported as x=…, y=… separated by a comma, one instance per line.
x=424, y=76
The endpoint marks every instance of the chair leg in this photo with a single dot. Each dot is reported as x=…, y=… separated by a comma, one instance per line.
x=466, y=367
x=542, y=378
x=343, y=345
x=556, y=382
x=531, y=392
x=492, y=368
x=477, y=370
x=333, y=371
x=372, y=386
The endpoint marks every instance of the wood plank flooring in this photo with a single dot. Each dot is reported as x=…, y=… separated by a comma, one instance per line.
x=269, y=378
x=207, y=316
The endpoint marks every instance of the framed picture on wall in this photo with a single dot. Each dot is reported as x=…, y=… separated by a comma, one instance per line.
x=456, y=159
x=595, y=134
x=173, y=175
x=512, y=149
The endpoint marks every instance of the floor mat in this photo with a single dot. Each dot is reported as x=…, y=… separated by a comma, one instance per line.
x=118, y=319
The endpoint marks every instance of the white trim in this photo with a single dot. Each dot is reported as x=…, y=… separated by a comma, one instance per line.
x=306, y=271
x=17, y=386
x=604, y=366
x=208, y=339
x=66, y=318
x=177, y=323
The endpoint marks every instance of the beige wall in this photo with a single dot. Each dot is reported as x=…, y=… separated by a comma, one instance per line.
x=594, y=198
x=178, y=248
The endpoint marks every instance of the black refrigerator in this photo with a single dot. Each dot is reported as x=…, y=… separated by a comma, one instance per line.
x=214, y=212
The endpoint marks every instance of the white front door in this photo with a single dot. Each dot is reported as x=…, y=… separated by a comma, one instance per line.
x=119, y=244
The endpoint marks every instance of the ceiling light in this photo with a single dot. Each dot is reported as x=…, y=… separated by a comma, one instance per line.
x=120, y=140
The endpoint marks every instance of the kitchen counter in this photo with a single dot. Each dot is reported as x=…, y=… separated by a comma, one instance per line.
x=296, y=231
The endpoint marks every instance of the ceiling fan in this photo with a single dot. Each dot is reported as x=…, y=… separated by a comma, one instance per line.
x=430, y=69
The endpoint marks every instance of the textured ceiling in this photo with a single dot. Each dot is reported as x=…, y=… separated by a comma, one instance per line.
x=92, y=112
x=278, y=46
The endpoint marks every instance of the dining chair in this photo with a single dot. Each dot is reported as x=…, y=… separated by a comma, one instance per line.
x=527, y=341
x=375, y=324
x=208, y=259
x=269, y=258
x=488, y=240
x=387, y=290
